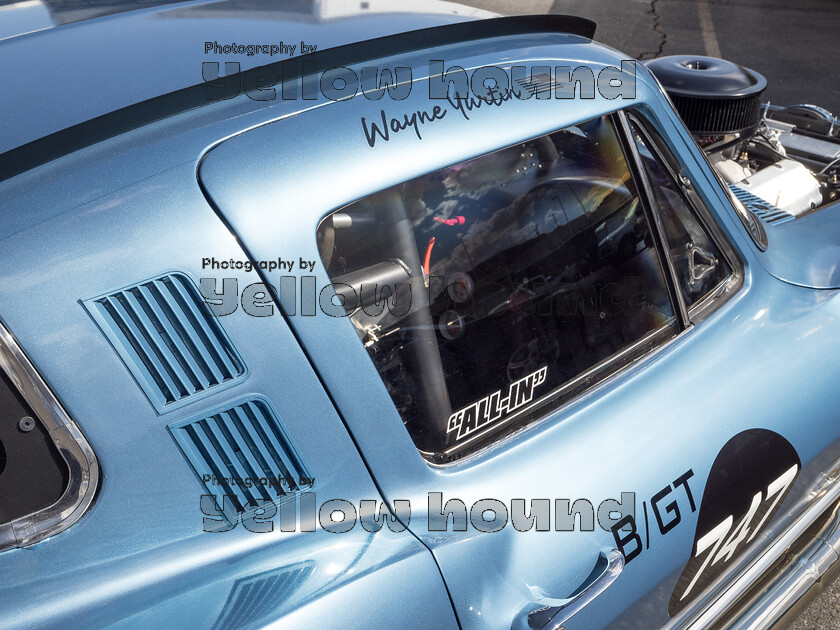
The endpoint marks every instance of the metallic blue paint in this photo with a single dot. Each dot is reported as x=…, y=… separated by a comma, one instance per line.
x=140, y=552
x=170, y=375
x=119, y=212
x=272, y=204
x=807, y=252
x=123, y=59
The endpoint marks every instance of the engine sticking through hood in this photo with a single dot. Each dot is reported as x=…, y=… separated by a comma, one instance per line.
x=788, y=157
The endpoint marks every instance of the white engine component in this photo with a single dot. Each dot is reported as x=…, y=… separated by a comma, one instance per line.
x=787, y=184
x=730, y=170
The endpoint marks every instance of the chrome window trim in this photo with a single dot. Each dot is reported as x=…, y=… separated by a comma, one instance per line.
x=760, y=239
x=715, y=298
x=751, y=222
x=570, y=405
x=610, y=367
x=720, y=294
x=82, y=465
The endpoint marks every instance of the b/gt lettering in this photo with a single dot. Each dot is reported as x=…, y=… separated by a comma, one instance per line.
x=665, y=506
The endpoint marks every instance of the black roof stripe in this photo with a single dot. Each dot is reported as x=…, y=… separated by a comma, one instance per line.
x=90, y=132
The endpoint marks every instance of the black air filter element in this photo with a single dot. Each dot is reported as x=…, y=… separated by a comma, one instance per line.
x=713, y=96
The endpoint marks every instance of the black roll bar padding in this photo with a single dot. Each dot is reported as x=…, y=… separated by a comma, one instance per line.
x=364, y=287
x=432, y=396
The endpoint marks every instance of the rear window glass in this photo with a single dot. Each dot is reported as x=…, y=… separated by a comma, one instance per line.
x=490, y=292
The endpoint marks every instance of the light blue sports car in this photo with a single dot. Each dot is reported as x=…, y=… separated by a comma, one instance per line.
x=357, y=315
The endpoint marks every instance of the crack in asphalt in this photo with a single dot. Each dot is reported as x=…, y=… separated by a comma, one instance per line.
x=656, y=28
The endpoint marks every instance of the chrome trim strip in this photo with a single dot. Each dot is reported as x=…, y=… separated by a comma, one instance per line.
x=81, y=461
x=785, y=594
x=797, y=583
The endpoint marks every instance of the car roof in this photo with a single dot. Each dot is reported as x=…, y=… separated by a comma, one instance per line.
x=66, y=72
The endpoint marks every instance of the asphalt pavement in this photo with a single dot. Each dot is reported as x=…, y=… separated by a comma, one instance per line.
x=795, y=44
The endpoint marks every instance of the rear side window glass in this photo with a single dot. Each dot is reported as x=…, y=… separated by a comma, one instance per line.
x=490, y=292
x=33, y=475
x=699, y=264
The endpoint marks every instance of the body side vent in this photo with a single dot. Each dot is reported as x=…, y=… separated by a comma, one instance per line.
x=537, y=85
x=242, y=451
x=255, y=600
x=169, y=341
x=764, y=210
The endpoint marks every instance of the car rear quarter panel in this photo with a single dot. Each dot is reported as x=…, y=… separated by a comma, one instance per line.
x=767, y=358
x=139, y=554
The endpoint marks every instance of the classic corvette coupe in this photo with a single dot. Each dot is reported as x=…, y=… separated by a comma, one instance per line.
x=322, y=317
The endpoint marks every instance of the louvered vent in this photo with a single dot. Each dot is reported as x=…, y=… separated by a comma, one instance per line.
x=255, y=600
x=242, y=452
x=172, y=345
x=536, y=85
x=764, y=210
